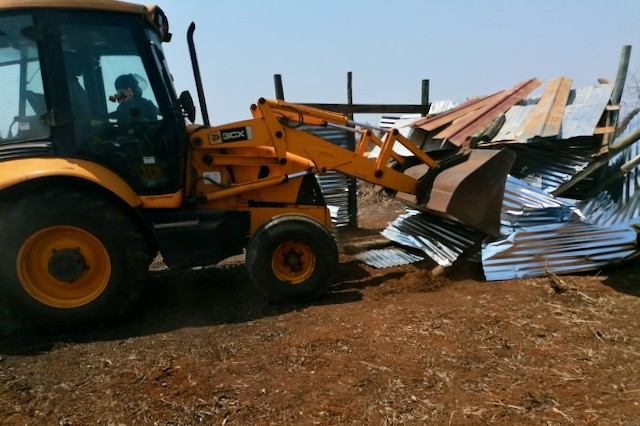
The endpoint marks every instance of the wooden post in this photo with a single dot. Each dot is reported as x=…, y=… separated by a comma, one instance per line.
x=621, y=78
x=352, y=198
x=618, y=87
x=350, y=92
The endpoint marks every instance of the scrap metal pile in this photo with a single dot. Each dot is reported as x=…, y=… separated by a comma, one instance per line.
x=571, y=203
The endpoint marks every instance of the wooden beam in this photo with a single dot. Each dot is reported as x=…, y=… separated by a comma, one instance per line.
x=603, y=130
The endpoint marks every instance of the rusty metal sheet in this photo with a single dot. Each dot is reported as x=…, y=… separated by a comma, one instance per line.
x=546, y=118
x=582, y=113
x=448, y=117
x=459, y=132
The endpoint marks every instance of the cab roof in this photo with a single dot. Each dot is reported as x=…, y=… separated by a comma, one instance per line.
x=106, y=5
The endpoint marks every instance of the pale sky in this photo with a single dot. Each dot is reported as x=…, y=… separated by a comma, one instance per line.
x=464, y=47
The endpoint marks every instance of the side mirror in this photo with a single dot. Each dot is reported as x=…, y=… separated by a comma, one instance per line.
x=187, y=105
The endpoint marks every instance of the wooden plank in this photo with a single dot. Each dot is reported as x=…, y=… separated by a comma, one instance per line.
x=603, y=130
x=546, y=118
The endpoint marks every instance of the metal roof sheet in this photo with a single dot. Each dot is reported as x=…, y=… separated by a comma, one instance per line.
x=525, y=206
x=620, y=204
x=546, y=118
x=335, y=186
x=559, y=113
x=387, y=258
x=442, y=240
x=584, y=110
x=559, y=248
x=462, y=130
x=580, y=118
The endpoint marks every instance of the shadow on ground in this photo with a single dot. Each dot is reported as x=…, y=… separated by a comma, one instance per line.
x=191, y=298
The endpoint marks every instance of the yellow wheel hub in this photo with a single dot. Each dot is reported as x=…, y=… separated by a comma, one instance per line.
x=293, y=262
x=63, y=266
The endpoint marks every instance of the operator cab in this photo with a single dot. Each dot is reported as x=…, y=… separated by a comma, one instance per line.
x=94, y=85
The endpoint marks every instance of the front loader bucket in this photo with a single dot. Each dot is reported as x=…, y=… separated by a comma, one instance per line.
x=470, y=191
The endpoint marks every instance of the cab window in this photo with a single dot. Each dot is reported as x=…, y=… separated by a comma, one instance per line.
x=117, y=117
x=23, y=99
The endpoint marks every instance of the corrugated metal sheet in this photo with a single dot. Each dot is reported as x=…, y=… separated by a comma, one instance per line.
x=461, y=131
x=560, y=248
x=442, y=240
x=541, y=234
x=515, y=119
x=548, y=234
x=560, y=113
x=620, y=204
x=584, y=109
x=546, y=118
x=335, y=187
x=525, y=206
x=387, y=258
x=449, y=116
x=548, y=164
x=631, y=182
x=604, y=211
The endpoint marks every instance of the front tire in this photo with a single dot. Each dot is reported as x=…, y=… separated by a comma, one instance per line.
x=292, y=259
x=70, y=259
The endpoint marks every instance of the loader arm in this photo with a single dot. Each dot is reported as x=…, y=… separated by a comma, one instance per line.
x=275, y=126
x=271, y=141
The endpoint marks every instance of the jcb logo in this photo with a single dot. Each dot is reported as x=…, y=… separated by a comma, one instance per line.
x=215, y=138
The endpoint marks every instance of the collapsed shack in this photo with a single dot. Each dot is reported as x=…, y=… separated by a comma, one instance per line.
x=571, y=202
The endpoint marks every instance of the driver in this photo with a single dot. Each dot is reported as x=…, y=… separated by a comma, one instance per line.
x=132, y=106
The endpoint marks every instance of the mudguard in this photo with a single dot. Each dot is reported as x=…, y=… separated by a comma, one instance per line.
x=16, y=171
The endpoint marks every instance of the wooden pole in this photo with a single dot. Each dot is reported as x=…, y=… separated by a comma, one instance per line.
x=352, y=197
x=350, y=93
x=621, y=78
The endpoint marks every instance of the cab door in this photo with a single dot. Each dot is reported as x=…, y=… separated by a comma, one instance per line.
x=123, y=115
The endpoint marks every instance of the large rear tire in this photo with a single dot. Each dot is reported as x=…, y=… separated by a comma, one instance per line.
x=292, y=259
x=70, y=259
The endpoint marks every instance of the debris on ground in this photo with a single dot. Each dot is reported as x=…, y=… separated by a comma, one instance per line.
x=572, y=199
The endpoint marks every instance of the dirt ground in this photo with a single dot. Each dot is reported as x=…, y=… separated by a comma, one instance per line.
x=384, y=347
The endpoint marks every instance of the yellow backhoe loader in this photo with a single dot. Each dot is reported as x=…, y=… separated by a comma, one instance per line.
x=100, y=169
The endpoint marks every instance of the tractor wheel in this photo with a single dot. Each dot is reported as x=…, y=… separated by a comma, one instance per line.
x=292, y=258
x=70, y=259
